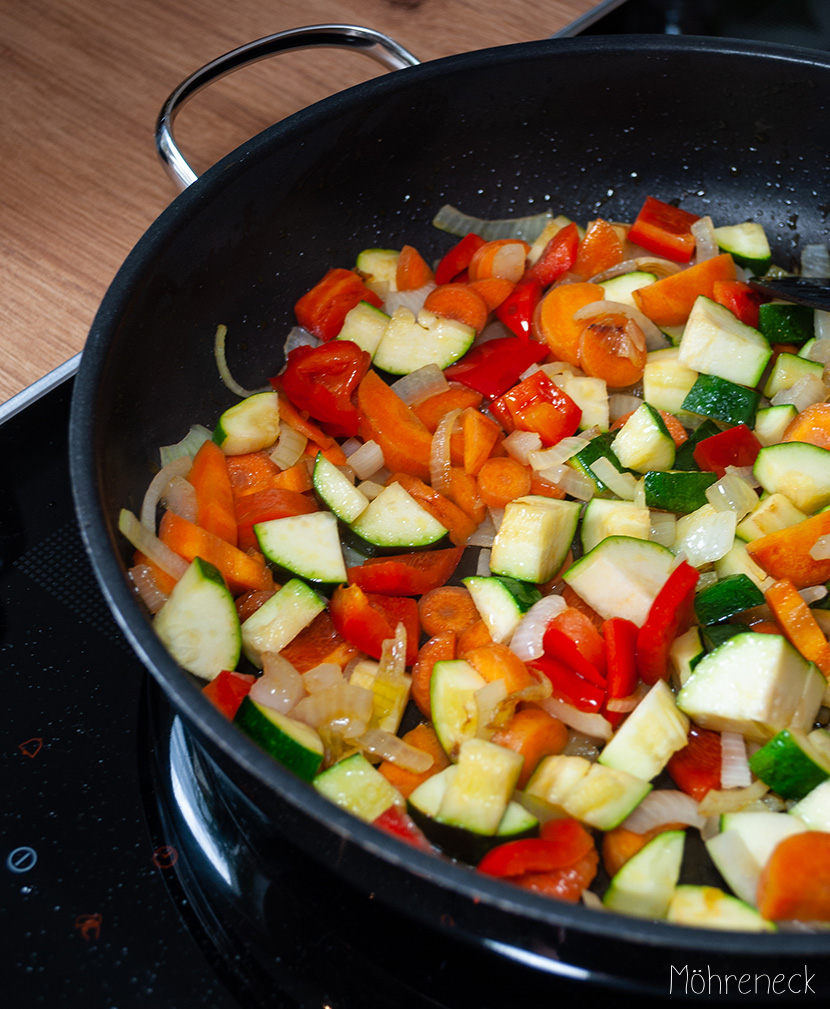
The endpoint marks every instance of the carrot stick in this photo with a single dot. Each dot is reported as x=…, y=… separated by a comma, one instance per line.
x=461, y=527
x=214, y=493
x=163, y=580
x=812, y=425
x=535, y=734
x=668, y=301
x=463, y=491
x=241, y=571
x=607, y=351
x=785, y=553
x=599, y=250
x=459, y=302
x=795, y=882
x=448, y=608
x=296, y=478
x=798, y=623
x=264, y=505
x=480, y=435
x=433, y=409
x=476, y=635
x=412, y=271
x=494, y=290
x=251, y=471
x=502, y=480
x=501, y=257
x=555, y=322
x=422, y=737
x=437, y=649
x=495, y=661
x=384, y=417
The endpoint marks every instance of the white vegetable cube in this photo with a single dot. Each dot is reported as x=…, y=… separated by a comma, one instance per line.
x=754, y=684
x=666, y=380
x=591, y=396
x=715, y=342
x=653, y=731
x=534, y=538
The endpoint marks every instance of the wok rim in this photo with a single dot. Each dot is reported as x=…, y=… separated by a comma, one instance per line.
x=186, y=699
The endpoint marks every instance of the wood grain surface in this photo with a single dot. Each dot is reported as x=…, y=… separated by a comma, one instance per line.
x=81, y=84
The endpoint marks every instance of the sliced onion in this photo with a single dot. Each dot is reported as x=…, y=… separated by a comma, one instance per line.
x=281, y=686
x=392, y=665
x=290, y=447
x=150, y=545
x=322, y=677
x=820, y=350
x=488, y=701
x=367, y=460
x=145, y=582
x=440, y=458
x=420, y=384
x=623, y=485
x=803, y=393
x=484, y=535
x=456, y=222
x=570, y=481
x=299, y=337
x=662, y=806
x=706, y=244
x=189, y=445
x=410, y=301
x=519, y=445
x=706, y=535
x=179, y=496
x=648, y=264
x=387, y=746
x=152, y=496
x=812, y=593
x=734, y=768
x=345, y=709
x=821, y=326
x=224, y=370
x=590, y=723
x=371, y=488
x=621, y=403
x=580, y=745
x=662, y=527
x=527, y=638
x=509, y=261
x=654, y=337
x=558, y=453
x=815, y=261
x=483, y=563
x=730, y=800
x=629, y=703
x=820, y=550
x=732, y=493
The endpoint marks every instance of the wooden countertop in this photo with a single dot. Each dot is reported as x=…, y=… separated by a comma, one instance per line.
x=81, y=84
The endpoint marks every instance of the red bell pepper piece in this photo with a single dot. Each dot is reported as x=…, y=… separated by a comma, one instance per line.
x=696, y=768
x=538, y=404
x=406, y=574
x=664, y=230
x=582, y=631
x=227, y=691
x=399, y=823
x=321, y=381
x=741, y=299
x=322, y=309
x=559, y=646
x=569, y=684
x=670, y=615
x=561, y=843
x=737, y=446
x=457, y=259
x=621, y=653
x=516, y=311
x=558, y=256
x=493, y=367
x=367, y=619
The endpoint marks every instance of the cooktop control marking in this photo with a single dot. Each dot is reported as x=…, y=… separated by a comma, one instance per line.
x=21, y=859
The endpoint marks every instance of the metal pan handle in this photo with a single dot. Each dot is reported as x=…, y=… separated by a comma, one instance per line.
x=333, y=36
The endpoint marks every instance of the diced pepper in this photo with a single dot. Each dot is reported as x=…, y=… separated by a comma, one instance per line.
x=570, y=685
x=516, y=311
x=458, y=258
x=737, y=446
x=696, y=768
x=664, y=230
x=406, y=574
x=561, y=843
x=671, y=615
x=494, y=367
x=558, y=256
x=538, y=404
x=399, y=823
x=322, y=381
x=227, y=690
x=741, y=299
x=323, y=309
x=620, y=637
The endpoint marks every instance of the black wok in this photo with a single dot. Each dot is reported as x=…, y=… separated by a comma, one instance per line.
x=584, y=127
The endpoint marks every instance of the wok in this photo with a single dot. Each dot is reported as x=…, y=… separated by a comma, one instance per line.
x=585, y=127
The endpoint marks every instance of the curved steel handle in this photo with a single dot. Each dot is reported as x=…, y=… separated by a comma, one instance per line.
x=380, y=47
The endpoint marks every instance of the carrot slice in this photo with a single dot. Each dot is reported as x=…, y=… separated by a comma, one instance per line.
x=599, y=250
x=502, y=480
x=480, y=435
x=795, y=882
x=495, y=661
x=422, y=737
x=459, y=524
x=412, y=271
x=785, y=553
x=812, y=425
x=438, y=648
x=433, y=409
x=384, y=417
x=501, y=257
x=554, y=320
x=493, y=290
x=798, y=623
x=535, y=734
x=459, y=302
x=614, y=349
x=668, y=301
x=241, y=571
x=474, y=636
x=448, y=608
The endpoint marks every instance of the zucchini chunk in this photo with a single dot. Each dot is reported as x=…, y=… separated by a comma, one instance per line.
x=293, y=743
x=249, y=426
x=717, y=343
x=394, y=521
x=306, y=546
x=355, y=785
x=710, y=907
x=645, y=884
x=534, y=538
x=280, y=619
x=408, y=343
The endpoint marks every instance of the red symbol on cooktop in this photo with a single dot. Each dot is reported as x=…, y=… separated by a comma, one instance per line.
x=32, y=747
x=89, y=925
x=165, y=857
